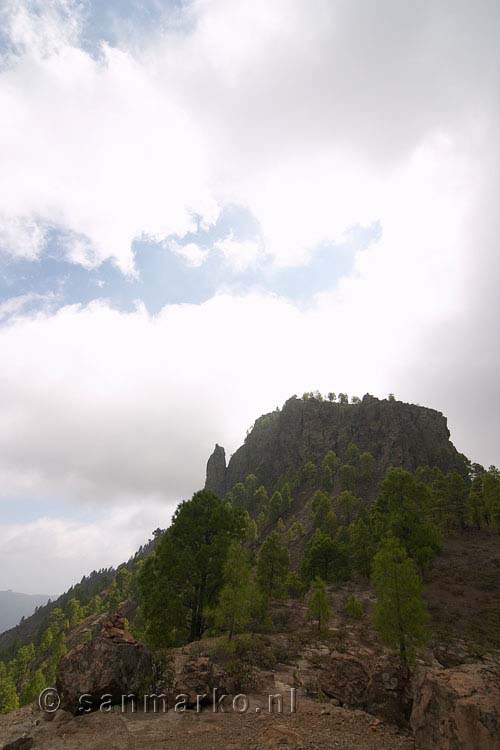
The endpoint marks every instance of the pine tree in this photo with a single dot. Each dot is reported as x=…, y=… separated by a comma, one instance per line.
x=329, y=467
x=261, y=521
x=491, y=497
x=183, y=578
x=295, y=531
x=317, y=605
x=261, y=499
x=123, y=582
x=21, y=665
x=114, y=598
x=239, y=494
x=323, y=557
x=234, y=606
x=404, y=509
x=362, y=544
x=276, y=506
x=46, y=642
x=251, y=483
x=366, y=466
x=251, y=530
x=348, y=506
x=73, y=611
x=9, y=700
x=309, y=471
x=321, y=505
x=272, y=565
x=348, y=477
x=400, y=614
x=33, y=688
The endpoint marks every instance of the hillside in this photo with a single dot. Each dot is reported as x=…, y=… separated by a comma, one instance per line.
x=90, y=585
x=14, y=606
x=298, y=551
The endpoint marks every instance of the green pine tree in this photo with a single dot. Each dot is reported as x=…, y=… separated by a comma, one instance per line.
x=33, y=688
x=272, y=565
x=317, y=604
x=9, y=700
x=234, y=607
x=400, y=615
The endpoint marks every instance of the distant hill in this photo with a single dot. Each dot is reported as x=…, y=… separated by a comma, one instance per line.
x=14, y=606
x=29, y=629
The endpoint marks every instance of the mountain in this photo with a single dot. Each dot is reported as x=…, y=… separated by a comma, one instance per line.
x=331, y=492
x=14, y=606
x=281, y=442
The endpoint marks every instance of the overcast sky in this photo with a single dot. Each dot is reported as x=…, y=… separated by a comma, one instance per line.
x=208, y=206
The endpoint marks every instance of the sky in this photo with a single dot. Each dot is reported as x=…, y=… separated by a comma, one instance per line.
x=207, y=206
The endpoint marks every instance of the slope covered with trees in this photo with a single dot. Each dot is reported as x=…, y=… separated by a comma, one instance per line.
x=227, y=560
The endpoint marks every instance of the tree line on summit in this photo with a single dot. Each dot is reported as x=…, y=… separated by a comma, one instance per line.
x=224, y=560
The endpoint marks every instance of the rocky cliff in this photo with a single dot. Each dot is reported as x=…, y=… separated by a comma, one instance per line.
x=396, y=433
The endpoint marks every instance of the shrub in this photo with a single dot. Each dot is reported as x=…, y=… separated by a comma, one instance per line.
x=354, y=608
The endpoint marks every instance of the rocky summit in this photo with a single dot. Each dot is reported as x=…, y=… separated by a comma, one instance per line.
x=395, y=433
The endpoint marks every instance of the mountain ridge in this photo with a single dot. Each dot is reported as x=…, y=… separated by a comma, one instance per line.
x=396, y=433
x=15, y=605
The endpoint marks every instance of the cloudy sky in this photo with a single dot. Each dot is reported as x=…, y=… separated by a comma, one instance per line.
x=209, y=205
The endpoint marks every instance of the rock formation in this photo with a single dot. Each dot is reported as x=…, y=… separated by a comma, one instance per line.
x=111, y=663
x=216, y=471
x=457, y=709
x=396, y=433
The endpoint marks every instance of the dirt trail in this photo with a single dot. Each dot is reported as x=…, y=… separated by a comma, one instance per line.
x=315, y=726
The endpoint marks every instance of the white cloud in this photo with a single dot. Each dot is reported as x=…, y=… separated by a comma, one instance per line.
x=21, y=236
x=50, y=554
x=193, y=254
x=15, y=305
x=240, y=254
x=305, y=113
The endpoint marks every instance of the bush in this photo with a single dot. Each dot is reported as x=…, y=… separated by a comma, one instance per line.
x=295, y=586
x=354, y=608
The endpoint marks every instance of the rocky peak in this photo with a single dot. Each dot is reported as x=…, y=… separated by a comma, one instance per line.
x=396, y=433
x=216, y=471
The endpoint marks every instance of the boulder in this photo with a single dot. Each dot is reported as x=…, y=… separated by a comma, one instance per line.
x=345, y=679
x=192, y=676
x=377, y=685
x=457, y=709
x=22, y=743
x=111, y=663
x=389, y=693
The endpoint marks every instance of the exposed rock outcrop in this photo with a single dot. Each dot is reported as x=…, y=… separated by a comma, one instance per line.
x=375, y=684
x=359, y=679
x=216, y=471
x=396, y=433
x=457, y=709
x=22, y=743
x=191, y=676
x=111, y=663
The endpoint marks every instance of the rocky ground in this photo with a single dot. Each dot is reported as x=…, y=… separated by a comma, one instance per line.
x=315, y=726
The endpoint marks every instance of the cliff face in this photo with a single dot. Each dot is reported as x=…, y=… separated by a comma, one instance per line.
x=396, y=433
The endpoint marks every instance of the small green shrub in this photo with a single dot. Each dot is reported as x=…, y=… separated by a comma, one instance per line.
x=354, y=608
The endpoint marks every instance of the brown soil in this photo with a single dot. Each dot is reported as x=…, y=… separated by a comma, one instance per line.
x=313, y=727
x=463, y=592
